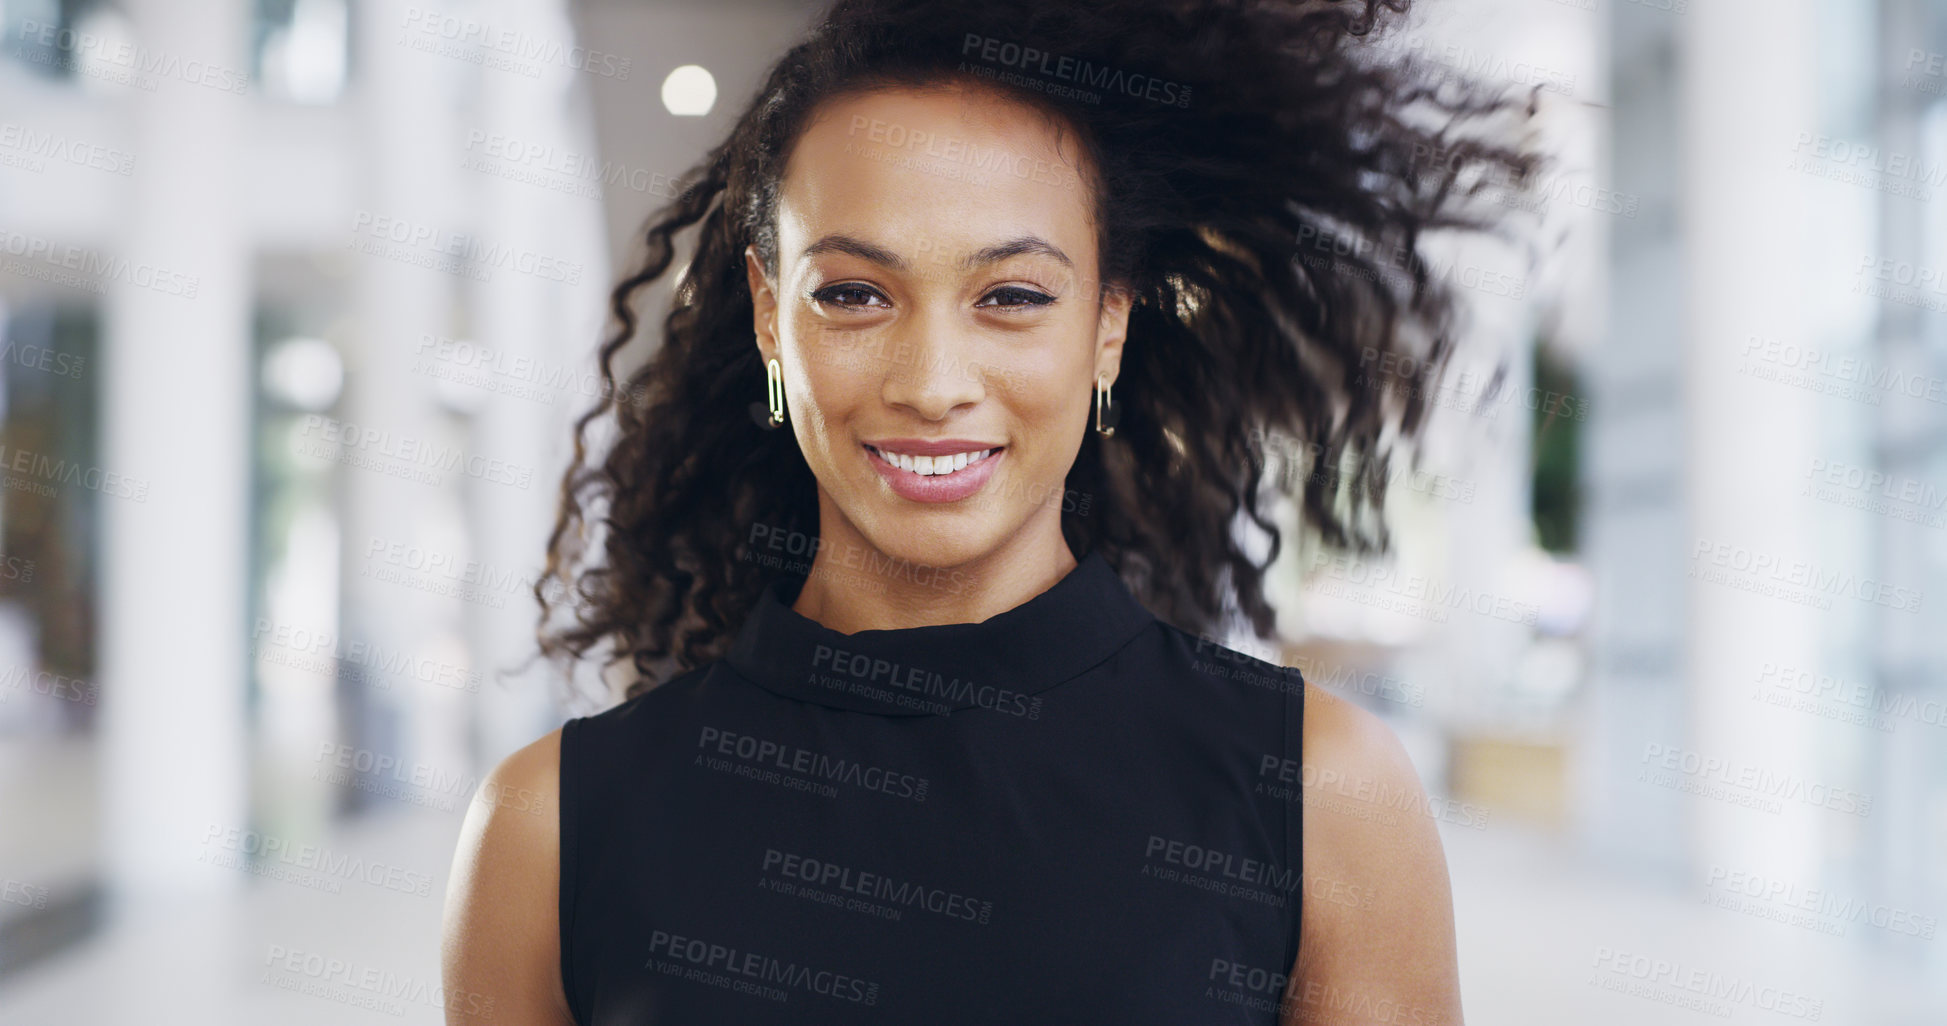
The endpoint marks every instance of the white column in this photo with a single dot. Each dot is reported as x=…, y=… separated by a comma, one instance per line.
x=1747, y=92
x=533, y=320
x=404, y=542
x=404, y=100
x=176, y=408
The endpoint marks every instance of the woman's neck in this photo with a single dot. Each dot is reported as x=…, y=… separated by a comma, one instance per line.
x=855, y=586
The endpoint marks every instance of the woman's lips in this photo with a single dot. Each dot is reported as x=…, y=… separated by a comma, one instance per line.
x=947, y=487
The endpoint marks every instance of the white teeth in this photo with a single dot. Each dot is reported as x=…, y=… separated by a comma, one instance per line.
x=933, y=466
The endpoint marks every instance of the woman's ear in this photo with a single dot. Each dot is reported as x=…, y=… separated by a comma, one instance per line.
x=1111, y=329
x=763, y=304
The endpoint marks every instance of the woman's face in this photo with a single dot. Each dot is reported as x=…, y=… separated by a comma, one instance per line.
x=936, y=298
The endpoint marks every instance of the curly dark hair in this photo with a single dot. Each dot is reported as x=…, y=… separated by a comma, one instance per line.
x=1225, y=139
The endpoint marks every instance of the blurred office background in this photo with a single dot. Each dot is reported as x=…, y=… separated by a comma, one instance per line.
x=299, y=298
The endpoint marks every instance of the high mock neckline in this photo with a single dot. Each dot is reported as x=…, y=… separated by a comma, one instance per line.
x=938, y=669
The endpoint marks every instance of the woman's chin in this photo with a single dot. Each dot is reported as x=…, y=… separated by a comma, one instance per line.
x=931, y=546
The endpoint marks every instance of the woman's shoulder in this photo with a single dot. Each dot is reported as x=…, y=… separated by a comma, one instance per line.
x=641, y=711
x=1368, y=818
x=533, y=770
x=500, y=928
x=1345, y=750
x=1382, y=918
x=1236, y=694
x=528, y=779
x=1352, y=748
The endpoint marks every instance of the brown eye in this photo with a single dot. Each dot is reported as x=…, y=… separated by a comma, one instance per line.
x=1014, y=297
x=850, y=294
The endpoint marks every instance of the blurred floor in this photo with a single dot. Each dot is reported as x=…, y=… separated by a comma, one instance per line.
x=1532, y=921
x=228, y=961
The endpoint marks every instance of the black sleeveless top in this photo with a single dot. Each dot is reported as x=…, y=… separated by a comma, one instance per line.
x=1071, y=812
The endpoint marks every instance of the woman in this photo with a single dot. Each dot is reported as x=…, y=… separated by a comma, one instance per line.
x=928, y=724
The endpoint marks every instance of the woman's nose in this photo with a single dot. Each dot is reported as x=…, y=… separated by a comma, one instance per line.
x=930, y=369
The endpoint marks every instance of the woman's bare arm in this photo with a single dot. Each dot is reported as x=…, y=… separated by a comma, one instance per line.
x=1376, y=940
x=501, y=953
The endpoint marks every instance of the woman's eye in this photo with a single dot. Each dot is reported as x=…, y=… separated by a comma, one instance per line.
x=845, y=295
x=1012, y=296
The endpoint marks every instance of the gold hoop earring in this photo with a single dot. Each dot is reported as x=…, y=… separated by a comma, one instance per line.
x=770, y=413
x=1108, y=412
x=774, y=388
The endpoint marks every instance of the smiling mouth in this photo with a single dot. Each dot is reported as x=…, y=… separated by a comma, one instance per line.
x=934, y=466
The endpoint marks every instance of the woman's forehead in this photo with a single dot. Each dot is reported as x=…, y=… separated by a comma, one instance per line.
x=934, y=174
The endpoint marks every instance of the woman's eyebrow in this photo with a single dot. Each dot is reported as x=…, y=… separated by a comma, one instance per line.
x=1016, y=247
x=838, y=243
x=856, y=247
